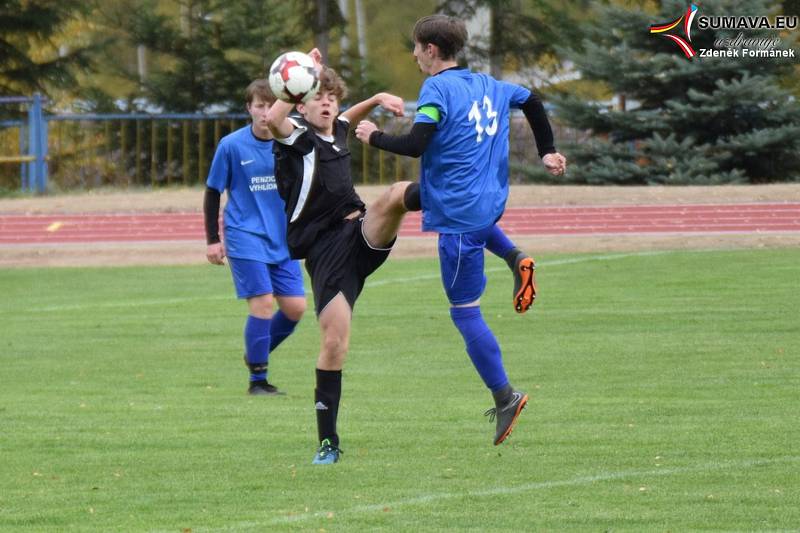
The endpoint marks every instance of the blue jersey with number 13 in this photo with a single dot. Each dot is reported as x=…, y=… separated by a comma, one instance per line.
x=464, y=179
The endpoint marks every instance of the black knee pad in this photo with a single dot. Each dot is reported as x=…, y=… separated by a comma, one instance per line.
x=411, y=197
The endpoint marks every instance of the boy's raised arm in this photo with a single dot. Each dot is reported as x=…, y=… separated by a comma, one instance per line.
x=359, y=111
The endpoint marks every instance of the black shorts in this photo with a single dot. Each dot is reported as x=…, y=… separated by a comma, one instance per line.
x=340, y=261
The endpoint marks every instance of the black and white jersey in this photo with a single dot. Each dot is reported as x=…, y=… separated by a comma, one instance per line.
x=313, y=177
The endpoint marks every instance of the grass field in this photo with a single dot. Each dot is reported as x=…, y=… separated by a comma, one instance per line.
x=665, y=397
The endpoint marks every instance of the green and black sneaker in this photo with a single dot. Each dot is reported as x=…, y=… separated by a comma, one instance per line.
x=327, y=454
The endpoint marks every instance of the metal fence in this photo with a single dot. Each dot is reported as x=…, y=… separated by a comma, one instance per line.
x=60, y=152
x=32, y=142
x=94, y=150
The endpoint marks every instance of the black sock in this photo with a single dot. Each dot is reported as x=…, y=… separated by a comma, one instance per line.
x=326, y=400
x=511, y=257
x=503, y=396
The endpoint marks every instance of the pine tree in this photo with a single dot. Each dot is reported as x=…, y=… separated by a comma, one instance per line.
x=519, y=33
x=30, y=59
x=203, y=53
x=699, y=121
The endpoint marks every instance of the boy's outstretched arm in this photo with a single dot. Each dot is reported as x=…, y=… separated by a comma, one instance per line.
x=359, y=111
x=412, y=144
x=278, y=119
x=534, y=112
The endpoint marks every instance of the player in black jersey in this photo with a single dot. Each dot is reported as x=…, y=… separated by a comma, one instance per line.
x=329, y=226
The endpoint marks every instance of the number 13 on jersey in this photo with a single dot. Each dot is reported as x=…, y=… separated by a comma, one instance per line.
x=477, y=114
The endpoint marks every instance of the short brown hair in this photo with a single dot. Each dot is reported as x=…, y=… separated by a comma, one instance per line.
x=330, y=81
x=449, y=34
x=261, y=89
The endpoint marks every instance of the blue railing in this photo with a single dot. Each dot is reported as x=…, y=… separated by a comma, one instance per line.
x=115, y=148
x=79, y=151
x=33, y=154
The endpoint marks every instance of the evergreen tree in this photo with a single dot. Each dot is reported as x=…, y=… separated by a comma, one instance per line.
x=520, y=32
x=699, y=121
x=203, y=53
x=30, y=59
x=324, y=15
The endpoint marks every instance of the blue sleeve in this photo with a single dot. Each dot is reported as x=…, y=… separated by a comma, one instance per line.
x=220, y=172
x=517, y=95
x=431, y=95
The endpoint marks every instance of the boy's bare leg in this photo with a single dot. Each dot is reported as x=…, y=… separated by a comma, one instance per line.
x=384, y=216
x=334, y=324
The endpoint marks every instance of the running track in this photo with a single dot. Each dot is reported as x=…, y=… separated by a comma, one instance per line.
x=773, y=217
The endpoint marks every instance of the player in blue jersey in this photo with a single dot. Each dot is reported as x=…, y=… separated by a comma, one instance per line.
x=254, y=236
x=461, y=132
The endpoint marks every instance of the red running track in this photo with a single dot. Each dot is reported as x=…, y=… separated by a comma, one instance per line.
x=574, y=220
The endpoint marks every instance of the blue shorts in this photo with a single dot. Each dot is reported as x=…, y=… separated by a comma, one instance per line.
x=461, y=263
x=254, y=278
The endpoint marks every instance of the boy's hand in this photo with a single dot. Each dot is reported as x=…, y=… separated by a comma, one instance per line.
x=364, y=130
x=391, y=103
x=316, y=55
x=216, y=254
x=556, y=163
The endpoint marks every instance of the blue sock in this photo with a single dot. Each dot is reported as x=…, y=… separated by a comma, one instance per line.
x=256, y=344
x=481, y=345
x=498, y=243
x=281, y=328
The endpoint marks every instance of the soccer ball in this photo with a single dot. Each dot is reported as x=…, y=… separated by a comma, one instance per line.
x=294, y=78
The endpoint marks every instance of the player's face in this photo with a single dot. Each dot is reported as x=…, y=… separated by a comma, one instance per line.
x=321, y=111
x=423, y=53
x=258, y=109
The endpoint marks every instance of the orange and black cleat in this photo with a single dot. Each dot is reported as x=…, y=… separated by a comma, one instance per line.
x=524, y=283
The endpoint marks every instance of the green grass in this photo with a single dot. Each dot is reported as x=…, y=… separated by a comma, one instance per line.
x=665, y=392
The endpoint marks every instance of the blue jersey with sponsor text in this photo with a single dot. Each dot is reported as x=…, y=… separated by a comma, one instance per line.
x=464, y=177
x=254, y=219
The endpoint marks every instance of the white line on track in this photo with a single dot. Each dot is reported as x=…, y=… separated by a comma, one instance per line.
x=506, y=490
x=377, y=283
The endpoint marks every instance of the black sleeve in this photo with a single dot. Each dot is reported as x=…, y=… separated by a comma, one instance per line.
x=342, y=123
x=413, y=143
x=211, y=211
x=537, y=118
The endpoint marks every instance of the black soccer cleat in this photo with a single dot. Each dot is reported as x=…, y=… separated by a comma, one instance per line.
x=507, y=415
x=260, y=387
x=263, y=388
x=524, y=282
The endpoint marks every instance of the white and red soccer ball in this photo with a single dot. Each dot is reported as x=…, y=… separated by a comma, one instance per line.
x=294, y=77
